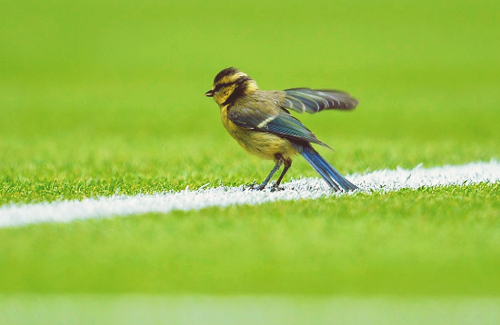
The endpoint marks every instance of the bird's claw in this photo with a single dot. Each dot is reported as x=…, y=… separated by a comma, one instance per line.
x=276, y=188
x=260, y=187
x=256, y=187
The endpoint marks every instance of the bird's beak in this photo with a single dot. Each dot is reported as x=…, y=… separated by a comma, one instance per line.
x=210, y=93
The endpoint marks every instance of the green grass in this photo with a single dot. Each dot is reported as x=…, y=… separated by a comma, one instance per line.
x=244, y=310
x=431, y=241
x=105, y=97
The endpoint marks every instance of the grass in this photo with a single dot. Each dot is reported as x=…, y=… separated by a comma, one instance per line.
x=180, y=310
x=430, y=241
x=101, y=97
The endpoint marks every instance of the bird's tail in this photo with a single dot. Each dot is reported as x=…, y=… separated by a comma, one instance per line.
x=334, y=179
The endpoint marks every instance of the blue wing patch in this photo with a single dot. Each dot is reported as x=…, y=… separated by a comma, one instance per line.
x=282, y=124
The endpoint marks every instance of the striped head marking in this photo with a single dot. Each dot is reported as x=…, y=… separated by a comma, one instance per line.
x=229, y=85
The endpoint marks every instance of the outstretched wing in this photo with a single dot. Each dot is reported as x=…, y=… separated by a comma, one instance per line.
x=314, y=100
x=281, y=124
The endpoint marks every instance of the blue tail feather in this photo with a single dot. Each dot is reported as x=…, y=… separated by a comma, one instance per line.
x=331, y=176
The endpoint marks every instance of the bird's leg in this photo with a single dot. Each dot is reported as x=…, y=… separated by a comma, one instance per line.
x=288, y=164
x=279, y=162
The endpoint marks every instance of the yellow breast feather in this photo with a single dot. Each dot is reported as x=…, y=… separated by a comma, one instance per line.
x=262, y=144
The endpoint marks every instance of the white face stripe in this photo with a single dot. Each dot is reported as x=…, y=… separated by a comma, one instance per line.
x=266, y=121
x=240, y=74
x=232, y=78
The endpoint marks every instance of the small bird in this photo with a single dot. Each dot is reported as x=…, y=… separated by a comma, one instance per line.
x=261, y=123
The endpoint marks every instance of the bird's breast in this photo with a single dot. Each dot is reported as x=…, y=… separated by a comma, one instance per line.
x=263, y=144
x=228, y=124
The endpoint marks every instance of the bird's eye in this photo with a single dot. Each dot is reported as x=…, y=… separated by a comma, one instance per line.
x=219, y=87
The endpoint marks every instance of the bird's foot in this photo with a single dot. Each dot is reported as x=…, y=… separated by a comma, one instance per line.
x=256, y=187
x=276, y=188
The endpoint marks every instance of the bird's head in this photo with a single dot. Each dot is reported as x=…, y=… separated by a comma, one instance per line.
x=229, y=85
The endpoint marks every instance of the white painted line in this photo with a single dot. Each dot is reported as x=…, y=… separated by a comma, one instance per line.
x=307, y=188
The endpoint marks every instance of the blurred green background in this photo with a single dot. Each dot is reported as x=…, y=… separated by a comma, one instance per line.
x=105, y=97
x=92, y=92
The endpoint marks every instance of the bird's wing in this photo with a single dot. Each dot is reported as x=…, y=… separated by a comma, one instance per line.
x=314, y=100
x=281, y=124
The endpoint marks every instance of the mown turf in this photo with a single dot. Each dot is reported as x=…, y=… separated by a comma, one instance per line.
x=430, y=241
x=104, y=97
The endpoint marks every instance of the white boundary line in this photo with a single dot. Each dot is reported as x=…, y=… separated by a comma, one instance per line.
x=307, y=188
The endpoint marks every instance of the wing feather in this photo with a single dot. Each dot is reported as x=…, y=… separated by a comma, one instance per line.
x=315, y=100
x=281, y=124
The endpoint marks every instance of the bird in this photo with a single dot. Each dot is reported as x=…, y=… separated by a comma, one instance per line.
x=261, y=123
